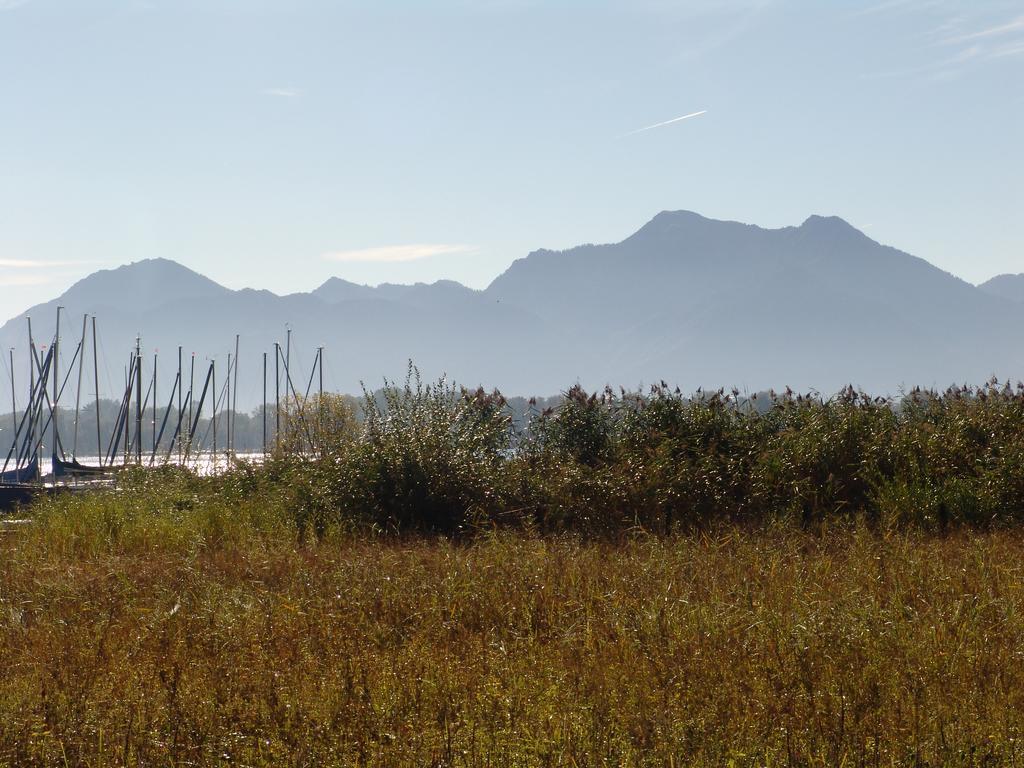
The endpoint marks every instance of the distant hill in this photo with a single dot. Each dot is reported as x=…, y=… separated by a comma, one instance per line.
x=368, y=333
x=1005, y=286
x=715, y=302
x=691, y=300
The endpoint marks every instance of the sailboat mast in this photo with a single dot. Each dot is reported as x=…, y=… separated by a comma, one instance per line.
x=320, y=397
x=287, y=367
x=175, y=390
x=56, y=393
x=32, y=385
x=234, y=401
x=154, y=402
x=96, y=391
x=277, y=394
x=14, y=401
x=129, y=377
x=263, y=409
x=227, y=385
x=180, y=382
x=78, y=392
x=191, y=386
x=213, y=413
x=138, y=400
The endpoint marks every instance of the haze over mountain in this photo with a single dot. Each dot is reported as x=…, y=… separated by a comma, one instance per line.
x=693, y=301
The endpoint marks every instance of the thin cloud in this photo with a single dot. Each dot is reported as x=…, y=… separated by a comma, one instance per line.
x=965, y=55
x=953, y=65
x=1014, y=49
x=398, y=253
x=946, y=28
x=668, y=122
x=281, y=93
x=944, y=69
x=1014, y=25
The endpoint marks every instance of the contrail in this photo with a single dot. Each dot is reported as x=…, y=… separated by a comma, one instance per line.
x=668, y=122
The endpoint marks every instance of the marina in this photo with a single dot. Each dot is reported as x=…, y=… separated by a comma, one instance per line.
x=194, y=426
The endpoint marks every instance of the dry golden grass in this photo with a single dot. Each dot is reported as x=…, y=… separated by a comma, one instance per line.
x=743, y=648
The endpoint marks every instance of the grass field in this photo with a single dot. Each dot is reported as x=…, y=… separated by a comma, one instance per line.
x=219, y=636
x=655, y=580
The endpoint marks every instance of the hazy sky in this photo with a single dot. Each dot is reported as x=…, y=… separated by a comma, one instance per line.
x=274, y=144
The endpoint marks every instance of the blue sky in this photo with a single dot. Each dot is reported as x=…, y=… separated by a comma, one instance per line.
x=274, y=144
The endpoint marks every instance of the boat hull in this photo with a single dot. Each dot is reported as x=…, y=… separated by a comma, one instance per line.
x=62, y=469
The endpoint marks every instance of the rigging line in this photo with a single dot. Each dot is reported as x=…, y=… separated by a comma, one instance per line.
x=66, y=375
x=64, y=384
x=199, y=409
x=217, y=405
x=14, y=445
x=53, y=415
x=7, y=370
x=78, y=391
x=312, y=373
x=167, y=413
x=297, y=356
x=138, y=430
x=298, y=404
x=106, y=364
x=26, y=453
x=331, y=382
x=27, y=415
x=176, y=437
x=44, y=376
x=177, y=429
x=115, y=433
x=34, y=407
x=297, y=363
x=122, y=416
x=8, y=375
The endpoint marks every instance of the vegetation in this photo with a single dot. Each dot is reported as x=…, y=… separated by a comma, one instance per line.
x=247, y=428
x=653, y=580
x=433, y=458
x=213, y=635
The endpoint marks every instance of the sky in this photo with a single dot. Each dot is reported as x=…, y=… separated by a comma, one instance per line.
x=276, y=144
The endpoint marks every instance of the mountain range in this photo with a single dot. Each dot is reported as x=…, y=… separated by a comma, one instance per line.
x=686, y=299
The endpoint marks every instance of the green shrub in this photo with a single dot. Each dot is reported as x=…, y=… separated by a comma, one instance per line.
x=436, y=458
x=431, y=457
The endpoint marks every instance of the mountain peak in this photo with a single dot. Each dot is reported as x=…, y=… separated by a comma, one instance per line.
x=677, y=217
x=833, y=230
x=669, y=226
x=337, y=282
x=673, y=220
x=147, y=283
x=150, y=268
x=828, y=224
x=688, y=299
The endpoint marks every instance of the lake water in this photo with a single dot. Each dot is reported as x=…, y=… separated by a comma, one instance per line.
x=204, y=463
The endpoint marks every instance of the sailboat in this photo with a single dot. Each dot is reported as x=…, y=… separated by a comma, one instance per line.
x=19, y=483
x=62, y=467
x=25, y=474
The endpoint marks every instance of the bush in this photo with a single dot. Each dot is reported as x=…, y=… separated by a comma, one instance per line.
x=430, y=458
x=436, y=458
